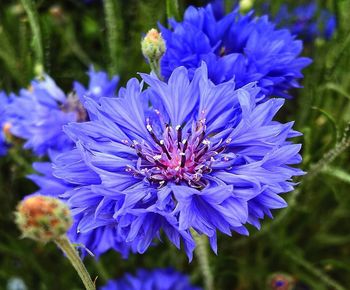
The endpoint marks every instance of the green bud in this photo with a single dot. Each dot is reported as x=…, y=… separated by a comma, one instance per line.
x=153, y=45
x=43, y=218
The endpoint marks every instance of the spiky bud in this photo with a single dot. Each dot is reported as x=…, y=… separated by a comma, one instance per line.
x=43, y=218
x=153, y=45
x=281, y=281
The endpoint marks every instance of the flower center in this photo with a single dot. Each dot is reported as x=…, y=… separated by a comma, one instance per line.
x=178, y=157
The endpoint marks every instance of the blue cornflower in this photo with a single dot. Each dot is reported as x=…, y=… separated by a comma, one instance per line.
x=38, y=114
x=159, y=279
x=307, y=22
x=4, y=101
x=241, y=46
x=178, y=156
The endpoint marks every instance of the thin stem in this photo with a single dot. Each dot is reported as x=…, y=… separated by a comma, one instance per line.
x=202, y=254
x=172, y=9
x=316, y=272
x=66, y=246
x=29, y=7
x=112, y=34
x=155, y=67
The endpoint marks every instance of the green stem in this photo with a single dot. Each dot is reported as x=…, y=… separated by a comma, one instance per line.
x=155, y=67
x=66, y=246
x=112, y=34
x=316, y=272
x=172, y=9
x=29, y=7
x=202, y=254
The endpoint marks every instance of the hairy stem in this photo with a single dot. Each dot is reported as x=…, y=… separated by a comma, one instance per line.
x=66, y=246
x=202, y=254
x=33, y=18
x=112, y=34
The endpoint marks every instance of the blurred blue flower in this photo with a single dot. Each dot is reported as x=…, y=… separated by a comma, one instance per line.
x=178, y=156
x=159, y=279
x=99, y=86
x=38, y=114
x=4, y=101
x=241, y=46
x=307, y=22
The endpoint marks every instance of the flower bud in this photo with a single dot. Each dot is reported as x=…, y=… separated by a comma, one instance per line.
x=6, y=129
x=281, y=281
x=246, y=5
x=153, y=45
x=43, y=218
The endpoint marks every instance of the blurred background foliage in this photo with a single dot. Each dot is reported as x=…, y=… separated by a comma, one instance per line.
x=310, y=240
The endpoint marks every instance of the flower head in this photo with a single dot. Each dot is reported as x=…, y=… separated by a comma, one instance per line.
x=38, y=114
x=280, y=281
x=178, y=156
x=43, y=218
x=245, y=47
x=159, y=279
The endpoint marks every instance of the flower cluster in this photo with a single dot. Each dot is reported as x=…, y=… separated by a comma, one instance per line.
x=181, y=155
x=307, y=21
x=243, y=47
x=38, y=114
x=159, y=279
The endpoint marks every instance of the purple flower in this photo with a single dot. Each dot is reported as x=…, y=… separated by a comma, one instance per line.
x=159, y=279
x=240, y=46
x=178, y=156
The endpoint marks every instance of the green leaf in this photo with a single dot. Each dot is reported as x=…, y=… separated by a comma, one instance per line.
x=337, y=88
x=331, y=121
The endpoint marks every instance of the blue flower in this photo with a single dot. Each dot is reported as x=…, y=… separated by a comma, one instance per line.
x=4, y=101
x=38, y=114
x=307, y=22
x=159, y=279
x=235, y=45
x=99, y=86
x=178, y=156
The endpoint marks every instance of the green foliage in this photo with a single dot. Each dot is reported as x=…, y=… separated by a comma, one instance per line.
x=309, y=240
